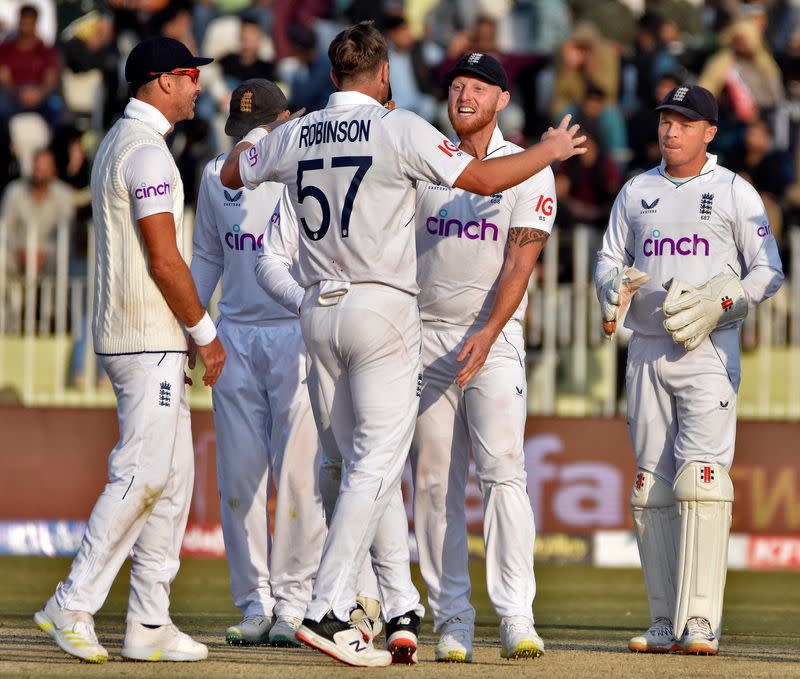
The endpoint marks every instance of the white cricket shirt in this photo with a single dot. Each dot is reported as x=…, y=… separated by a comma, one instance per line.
x=713, y=222
x=228, y=236
x=461, y=241
x=351, y=169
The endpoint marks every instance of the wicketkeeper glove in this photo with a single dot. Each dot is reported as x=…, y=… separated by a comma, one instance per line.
x=615, y=291
x=608, y=288
x=693, y=313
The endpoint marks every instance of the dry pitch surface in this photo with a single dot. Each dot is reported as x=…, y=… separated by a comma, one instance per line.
x=585, y=616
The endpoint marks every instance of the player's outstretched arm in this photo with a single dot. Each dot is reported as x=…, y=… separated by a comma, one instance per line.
x=172, y=276
x=487, y=177
x=522, y=250
x=229, y=174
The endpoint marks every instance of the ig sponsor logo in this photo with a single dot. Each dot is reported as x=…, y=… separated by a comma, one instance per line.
x=545, y=206
x=148, y=191
x=763, y=231
x=235, y=239
x=449, y=149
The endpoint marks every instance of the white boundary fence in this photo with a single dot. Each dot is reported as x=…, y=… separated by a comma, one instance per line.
x=572, y=369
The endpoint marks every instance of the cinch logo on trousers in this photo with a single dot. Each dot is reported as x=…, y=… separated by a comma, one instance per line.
x=145, y=191
x=440, y=226
x=687, y=245
x=236, y=240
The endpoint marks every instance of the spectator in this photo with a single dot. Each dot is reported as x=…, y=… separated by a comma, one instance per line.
x=309, y=78
x=584, y=57
x=586, y=185
x=246, y=63
x=408, y=60
x=29, y=72
x=595, y=110
x=90, y=45
x=745, y=70
x=39, y=202
x=769, y=170
x=651, y=58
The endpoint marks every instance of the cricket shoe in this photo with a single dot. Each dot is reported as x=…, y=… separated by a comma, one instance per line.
x=402, y=634
x=165, y=642
x=659, y=638
x=455, y=642
x=698, y=638
x=367, y=617
x=342, y=641
x=282, y=633
x=73, y=631
x=253, y=630
x=518, y=638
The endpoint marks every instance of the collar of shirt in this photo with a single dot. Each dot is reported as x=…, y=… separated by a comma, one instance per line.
x=496, y=141
x=140, y=110
x=711, y=163
x=351, y=98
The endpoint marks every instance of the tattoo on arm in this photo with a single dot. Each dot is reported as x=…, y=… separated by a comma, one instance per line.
x=523, y=237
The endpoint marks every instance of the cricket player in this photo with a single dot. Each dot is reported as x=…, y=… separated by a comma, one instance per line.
x=351, y=169
x=474, y=393
x=262, y=415
x=144, y=298
x=702, y=235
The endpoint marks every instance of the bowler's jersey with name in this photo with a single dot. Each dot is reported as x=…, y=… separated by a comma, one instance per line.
x=351, y=170
x=229, y=232
x=691, y=231
x=461, y=241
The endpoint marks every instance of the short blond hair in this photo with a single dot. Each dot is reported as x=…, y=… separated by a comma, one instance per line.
x=357, y=51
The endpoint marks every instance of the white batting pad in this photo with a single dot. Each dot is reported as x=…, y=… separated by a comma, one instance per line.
x=704, y=493
x=655, y=518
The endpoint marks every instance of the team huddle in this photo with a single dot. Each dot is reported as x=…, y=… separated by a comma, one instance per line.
x=374, y=277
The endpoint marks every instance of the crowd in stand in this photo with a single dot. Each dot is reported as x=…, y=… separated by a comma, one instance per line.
x=607, y=63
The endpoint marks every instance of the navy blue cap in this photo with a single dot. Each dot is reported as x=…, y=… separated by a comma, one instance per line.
x=254, y=102
x=159, y=54
x=692, y=101
x=482, y=66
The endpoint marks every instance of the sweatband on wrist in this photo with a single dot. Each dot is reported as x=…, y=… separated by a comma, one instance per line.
x=255, y=135
x=204, y=332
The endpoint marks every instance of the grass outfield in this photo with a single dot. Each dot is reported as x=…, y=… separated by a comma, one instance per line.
x=585, y=616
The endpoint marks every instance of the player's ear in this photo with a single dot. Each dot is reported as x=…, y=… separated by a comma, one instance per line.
x=283, y=115
x=502, y=101
x=334, y=79
x=710, y=133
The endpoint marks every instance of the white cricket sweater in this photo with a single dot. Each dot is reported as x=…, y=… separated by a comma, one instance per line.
x=130, y=313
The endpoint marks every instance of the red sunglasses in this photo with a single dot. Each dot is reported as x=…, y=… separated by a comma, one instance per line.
x=193, y=73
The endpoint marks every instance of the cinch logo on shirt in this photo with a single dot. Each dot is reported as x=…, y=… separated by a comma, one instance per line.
x=439, y=226
x=147, y=191
x=236, y=240
x=252, y=156
x=661, y=247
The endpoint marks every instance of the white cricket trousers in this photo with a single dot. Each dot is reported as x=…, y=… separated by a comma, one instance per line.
x=145, y=503
x=682, y=404
x=488, y=416
x=265, y=433
x=364, y=354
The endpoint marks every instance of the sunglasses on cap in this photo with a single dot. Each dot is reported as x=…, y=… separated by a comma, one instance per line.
x=193, y=73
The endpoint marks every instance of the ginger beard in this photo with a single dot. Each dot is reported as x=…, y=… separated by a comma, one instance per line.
x=472, y=104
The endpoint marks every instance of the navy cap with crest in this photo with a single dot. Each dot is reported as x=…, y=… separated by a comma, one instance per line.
x=158, y=55
x=482, y=66
x=692, y=101
x=254, y=102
